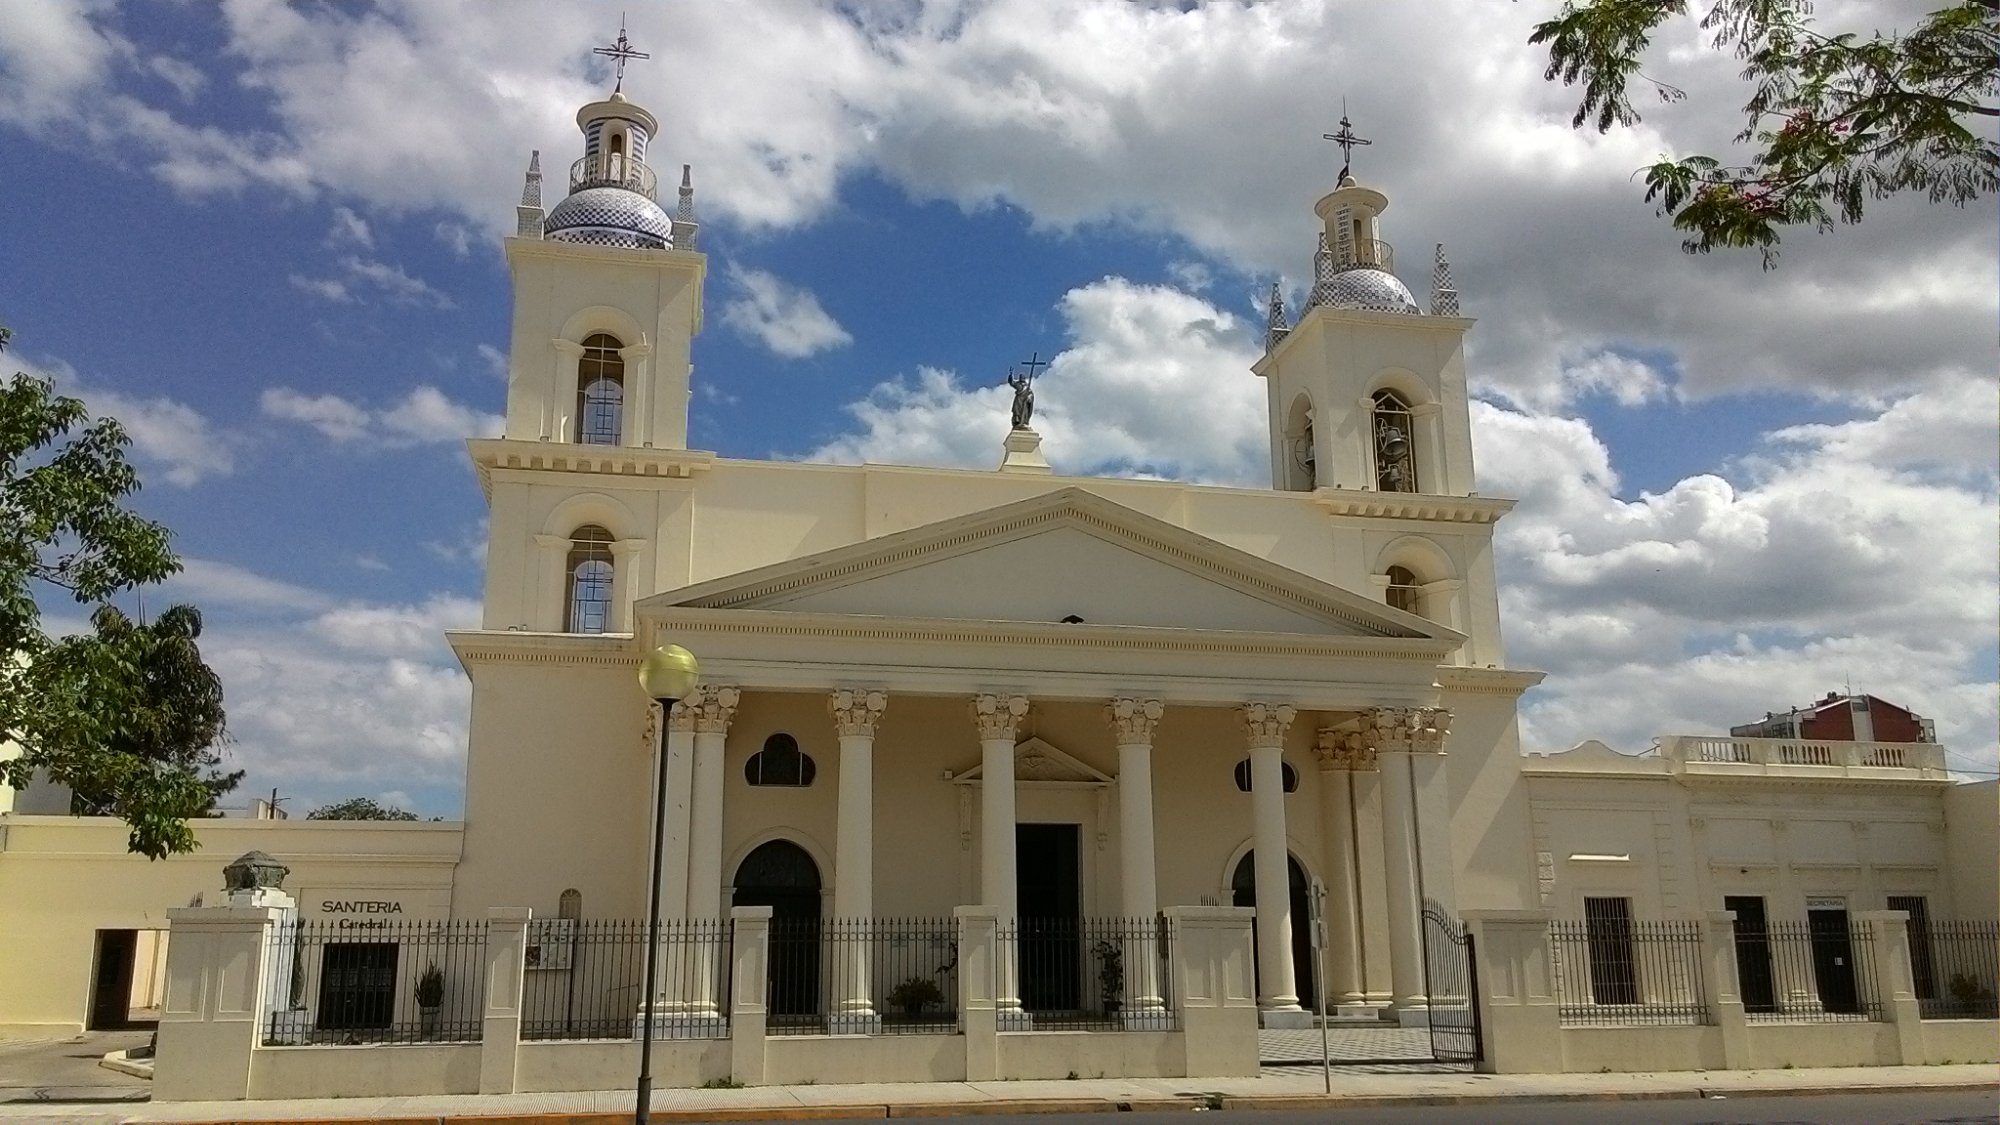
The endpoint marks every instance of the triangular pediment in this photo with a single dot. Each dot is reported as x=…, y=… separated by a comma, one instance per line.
x=1039, y=762
x=1064, y=554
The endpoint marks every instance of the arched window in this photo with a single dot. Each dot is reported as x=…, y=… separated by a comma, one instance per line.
x=780, y=763
x=1302, y=471
x=1243, y=776
x=590, y=571
x=570, y=905
x=1405, y=592
x=600, y=392
x=1395, y=444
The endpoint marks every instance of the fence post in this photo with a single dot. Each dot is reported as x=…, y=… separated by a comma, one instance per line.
x=1894, y=983
x=1519, y=1020
x=211, y=1020
x=1721, y=993
x=750, y=961
x=1214, y=984
x=500, y=1023
x=979, y=989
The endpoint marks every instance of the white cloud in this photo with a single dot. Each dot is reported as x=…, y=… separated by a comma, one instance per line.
x=1152, y=381
x=350, y=229
x=357, y=273
x=183, y=443
x=782, y=317
x=325, y=288
x=495, y=360
x=457, y=237
x=424, y=416
x=212, y=582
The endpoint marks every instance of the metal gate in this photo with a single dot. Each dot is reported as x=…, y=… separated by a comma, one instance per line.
x=1452, y=979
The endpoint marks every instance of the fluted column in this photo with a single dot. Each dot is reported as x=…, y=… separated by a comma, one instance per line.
x=1132, y=722
x=998, y=718
x=1397, y=732
x=1265, y=725
x=1338, y=753
x=713, y=709
x=855, y=715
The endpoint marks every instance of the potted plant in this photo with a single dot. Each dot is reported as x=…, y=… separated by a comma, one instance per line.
x=430, y=997
x=1110, y=975
x=913, y=995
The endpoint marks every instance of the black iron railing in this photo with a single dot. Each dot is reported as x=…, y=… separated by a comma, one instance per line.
x=1618, y=972
x=863, y=976
x=373, y=979
x=584, y=979
x=1818, y=971
x=1090, y=974
x=1956, y=969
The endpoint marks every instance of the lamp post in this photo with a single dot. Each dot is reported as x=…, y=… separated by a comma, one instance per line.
x=668, y=676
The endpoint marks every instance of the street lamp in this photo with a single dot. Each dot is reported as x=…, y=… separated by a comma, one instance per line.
x=668, y=676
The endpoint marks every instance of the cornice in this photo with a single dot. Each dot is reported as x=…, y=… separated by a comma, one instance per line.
x=1322, y=317
x=1488, y=681
x=558, y=250
x=1702, y=774
x=1411, y=505
x=515, y=646
x=495, y=454
x=1041, y=634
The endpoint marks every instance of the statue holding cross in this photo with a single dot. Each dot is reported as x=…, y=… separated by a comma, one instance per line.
x=1023, y=383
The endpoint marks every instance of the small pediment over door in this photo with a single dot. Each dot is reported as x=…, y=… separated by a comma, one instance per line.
x=1038, y=763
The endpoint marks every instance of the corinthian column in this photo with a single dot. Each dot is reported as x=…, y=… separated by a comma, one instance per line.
x=1132, y=722
x=1337, y=753
x=855, y=715
x=998, y=718
x=713, y=708
x=1265, y=725
x=1388, y=729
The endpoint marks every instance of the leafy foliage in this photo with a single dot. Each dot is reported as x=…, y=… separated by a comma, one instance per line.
x=1837, y=119
x=129, y=715
x=359, y=808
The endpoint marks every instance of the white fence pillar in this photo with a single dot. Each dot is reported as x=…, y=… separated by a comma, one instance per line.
x=1214, y=970
x=1520, y=1023
x=217, y=991
x=979, y=990
x=749, y=980
x=1894, y=983
x=500, y=1024
x=1721, y=991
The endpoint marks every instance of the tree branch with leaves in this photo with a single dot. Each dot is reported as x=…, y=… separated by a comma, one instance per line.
x=1836, y=119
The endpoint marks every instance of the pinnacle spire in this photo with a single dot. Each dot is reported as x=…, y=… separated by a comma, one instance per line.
x=1444, y=295
x=686, y=228
x=1276, y=324
x=528, y=216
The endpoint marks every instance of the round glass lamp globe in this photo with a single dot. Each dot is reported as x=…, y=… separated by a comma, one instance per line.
x=668, y=672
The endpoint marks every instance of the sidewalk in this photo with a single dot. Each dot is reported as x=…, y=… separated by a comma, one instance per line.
x=1288, y=1088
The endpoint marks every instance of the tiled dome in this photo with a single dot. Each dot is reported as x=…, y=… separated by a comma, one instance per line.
x=1365, y=289
x=609, y=216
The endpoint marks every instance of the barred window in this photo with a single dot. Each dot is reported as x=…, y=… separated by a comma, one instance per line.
x=600, y=392
x=780, y=762
x=590, y=572
x=1395, y=444
x=1405, y=592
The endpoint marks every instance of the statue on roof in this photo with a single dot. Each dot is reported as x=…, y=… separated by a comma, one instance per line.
x=1023, y=382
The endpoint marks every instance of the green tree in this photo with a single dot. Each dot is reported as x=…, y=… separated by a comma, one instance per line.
x=359, y=808
x=65, y=530
x=1835, y=119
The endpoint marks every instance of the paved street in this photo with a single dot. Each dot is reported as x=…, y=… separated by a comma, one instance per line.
x=1386, y=1049
x=65, y=1071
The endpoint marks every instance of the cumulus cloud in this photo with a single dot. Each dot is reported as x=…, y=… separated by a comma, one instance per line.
x=184, y=444
x=780, y=316
x=1152, y=381
x=357, y=275
x=425, y=416
x=350, y=229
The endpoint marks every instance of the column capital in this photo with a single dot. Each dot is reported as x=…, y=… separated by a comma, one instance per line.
x=1343, y=750
x=635, y=351
x=1266, y=723
x=542, y=539
x=1408, y=730
x=855, y=713
x=998, y=716
x=707, y=711
x=1133, y=720
x=567, y=347
x=626, y=548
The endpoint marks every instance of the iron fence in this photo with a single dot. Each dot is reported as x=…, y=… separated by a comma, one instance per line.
x=368, y=979
x=872, y=976
x=1090, y=974
x=1618, y=972
x=585, y=979
x=1818, y=971
x=1955, y=967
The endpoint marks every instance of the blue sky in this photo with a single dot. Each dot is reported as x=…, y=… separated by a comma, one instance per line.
x=266, y=237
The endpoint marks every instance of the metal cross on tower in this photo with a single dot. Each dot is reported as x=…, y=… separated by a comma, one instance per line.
x=620, y=52
x=1034, y=363
x=1347, y=139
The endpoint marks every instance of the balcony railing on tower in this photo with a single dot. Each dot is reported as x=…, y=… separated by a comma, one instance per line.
x=1364, y=254
x=614, y=170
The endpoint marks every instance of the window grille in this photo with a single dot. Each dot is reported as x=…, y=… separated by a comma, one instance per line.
x=1404, y=591
x=600, y=392
x=590, y=574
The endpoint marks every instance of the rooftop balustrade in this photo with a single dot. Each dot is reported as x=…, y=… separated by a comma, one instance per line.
x=1708, y=750
x=613, y=170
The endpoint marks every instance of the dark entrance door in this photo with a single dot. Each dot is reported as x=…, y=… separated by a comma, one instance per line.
x=357, y=985
x=111, y=980
x=1048, y=901
x=1754, y=982
x=1833, y=960
x=1243, y=888
x=779, y=874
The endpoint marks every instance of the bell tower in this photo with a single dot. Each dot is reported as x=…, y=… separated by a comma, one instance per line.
x=607, y=291
x=1367, y=390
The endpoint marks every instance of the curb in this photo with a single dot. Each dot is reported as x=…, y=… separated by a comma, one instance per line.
x=1022, y=1106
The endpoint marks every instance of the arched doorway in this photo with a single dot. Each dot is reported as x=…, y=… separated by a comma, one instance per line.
x=1243, y=887
x=779, y=874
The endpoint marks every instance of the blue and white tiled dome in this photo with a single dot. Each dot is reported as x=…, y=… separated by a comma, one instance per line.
x=1365, y=289
x=609, y=216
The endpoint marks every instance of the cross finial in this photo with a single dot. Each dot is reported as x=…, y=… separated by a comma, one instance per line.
x=1034, y=363
x=1347, y=139
x=620, y=52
